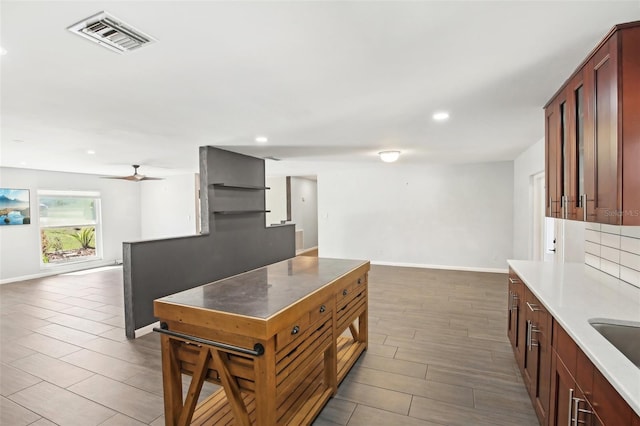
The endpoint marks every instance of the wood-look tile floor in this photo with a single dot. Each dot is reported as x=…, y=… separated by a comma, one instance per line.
x=438, y=355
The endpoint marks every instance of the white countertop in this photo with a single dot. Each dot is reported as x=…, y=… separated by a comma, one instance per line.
x=574, y=293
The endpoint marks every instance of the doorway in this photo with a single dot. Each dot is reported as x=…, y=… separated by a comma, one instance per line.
x=546, y=244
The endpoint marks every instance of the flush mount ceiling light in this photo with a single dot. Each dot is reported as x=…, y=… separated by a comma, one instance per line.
x=262, y=139
x=441, y=116
x=110, y=32
x=389, y=156
x=91, y=152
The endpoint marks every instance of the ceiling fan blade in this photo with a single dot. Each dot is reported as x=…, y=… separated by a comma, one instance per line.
x=135, y=177
x=115, y=177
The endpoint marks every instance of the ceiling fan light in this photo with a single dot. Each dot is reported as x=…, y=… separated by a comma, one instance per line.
x=389, y=156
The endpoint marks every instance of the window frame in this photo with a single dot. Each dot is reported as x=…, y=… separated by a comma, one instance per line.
x=97, y=199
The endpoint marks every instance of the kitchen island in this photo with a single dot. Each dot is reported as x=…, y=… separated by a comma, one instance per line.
x=273, y=338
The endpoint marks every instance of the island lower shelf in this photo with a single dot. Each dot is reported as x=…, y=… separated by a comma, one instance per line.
x=217, y=410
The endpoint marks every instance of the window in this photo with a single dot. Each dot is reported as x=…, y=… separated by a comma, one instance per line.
x=70, y=228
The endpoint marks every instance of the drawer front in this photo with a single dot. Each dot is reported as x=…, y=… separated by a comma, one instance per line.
x=565, y=347
x=351, y=309
x=349, y=291
x=291, y=333
x=320, y=312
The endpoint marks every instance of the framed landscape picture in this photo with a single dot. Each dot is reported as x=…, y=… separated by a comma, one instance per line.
x=14, y=207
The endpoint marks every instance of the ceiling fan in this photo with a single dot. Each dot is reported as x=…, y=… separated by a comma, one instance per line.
x=135, y=177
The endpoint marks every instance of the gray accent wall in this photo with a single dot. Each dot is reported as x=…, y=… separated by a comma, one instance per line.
x=229, y=244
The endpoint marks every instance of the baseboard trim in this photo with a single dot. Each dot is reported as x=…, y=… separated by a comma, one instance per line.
x=146, y=329
x=447, y=267
x=62, y=269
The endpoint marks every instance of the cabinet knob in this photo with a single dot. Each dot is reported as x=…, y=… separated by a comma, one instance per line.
x=344, y=292
x=359, y=280
x=295, y=329
x=322, y=308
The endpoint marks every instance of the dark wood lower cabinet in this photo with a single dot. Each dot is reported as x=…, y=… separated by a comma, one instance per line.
x=566, y=389
x=537, y=354
x=611, y=409
x=515, y=319
x=569, y=406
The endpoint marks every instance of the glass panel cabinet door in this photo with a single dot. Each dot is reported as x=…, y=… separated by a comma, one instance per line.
x=565, y=152
x=581, y=196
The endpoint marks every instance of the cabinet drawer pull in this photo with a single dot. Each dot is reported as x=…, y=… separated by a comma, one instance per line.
x=322, y=308
x=514, y=280
x=359, y=280
x=530, y=330
x=295, y=329
x=344, y=292
x=533, y=307
x=569, y=417
x=514, y=302
x=577, y=410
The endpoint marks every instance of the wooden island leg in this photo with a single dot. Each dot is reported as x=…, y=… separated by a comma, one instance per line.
x=265, y=393
x=171, y=381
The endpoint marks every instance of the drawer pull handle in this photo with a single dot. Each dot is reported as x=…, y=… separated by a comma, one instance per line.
x=344, y=292
x=533, y=307
x=513, y=280
x=359, y=280
x=295, y=330
x=322, y=308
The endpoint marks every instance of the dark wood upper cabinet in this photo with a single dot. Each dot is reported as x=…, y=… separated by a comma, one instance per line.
x=592, y=135
x=553, y=165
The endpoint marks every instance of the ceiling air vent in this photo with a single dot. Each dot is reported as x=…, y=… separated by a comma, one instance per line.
x=111, y=33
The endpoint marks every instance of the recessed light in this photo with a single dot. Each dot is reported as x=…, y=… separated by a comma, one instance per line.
x=441, y=116
x=3, y=51
x=23, y=163
x=389, y=156
x=262, y=139
x=91, y=152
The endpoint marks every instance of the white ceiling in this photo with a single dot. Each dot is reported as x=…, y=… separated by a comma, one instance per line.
x=334, y=81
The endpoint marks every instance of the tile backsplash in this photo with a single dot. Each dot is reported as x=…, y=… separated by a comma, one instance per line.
x=614, y=250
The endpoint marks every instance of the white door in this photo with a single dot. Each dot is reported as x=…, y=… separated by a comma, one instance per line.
x=546, y=231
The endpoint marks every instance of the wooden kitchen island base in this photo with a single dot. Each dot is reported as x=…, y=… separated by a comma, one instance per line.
x=216, y=409
x=278, y=340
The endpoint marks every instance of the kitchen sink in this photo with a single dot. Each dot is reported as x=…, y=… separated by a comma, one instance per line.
x=625, y=336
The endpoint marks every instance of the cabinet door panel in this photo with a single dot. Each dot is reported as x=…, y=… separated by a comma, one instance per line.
x=605, y=113
x=552, y=160
x=562, y=392
x=630, y=51
x=611, y=408
x=578, y=191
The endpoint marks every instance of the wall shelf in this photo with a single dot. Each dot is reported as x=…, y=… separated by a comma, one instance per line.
x=240, y=211
x=247, y=187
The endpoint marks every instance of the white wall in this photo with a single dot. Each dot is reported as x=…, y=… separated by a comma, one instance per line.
x=20, y=245
x=304, y=209
x=455, y=216
x=276, y=199
x=525, y=166
x=168, y=207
